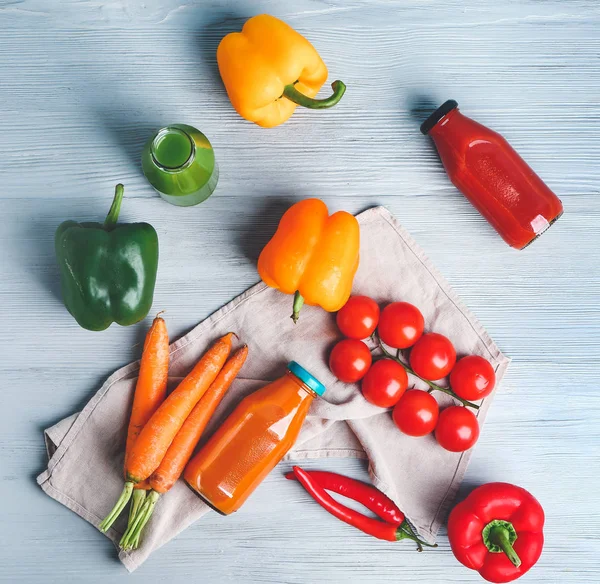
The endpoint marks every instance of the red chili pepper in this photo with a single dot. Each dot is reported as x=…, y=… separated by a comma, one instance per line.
x=374, y=527
x=371, y=497
x=498, y=531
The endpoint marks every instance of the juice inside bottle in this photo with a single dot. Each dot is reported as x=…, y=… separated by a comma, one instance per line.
x=252, y=440
x=492, y=175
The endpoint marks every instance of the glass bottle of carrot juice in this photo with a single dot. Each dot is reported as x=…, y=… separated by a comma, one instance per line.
x=252, y=440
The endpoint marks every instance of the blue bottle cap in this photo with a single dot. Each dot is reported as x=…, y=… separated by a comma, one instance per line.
x=306, y=378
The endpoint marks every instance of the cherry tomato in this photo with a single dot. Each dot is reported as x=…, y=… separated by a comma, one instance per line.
x=457, y=429
x=358, y=318
x=350, y=360
x=433, y=356
x=384, y=383
x=401, y=325
x=473, y=378
x=416, y=414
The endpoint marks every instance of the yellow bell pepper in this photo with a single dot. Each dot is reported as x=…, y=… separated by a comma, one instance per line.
x=269, y=69
x=312, y=255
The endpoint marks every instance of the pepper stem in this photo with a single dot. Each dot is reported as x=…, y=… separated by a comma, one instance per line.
x=298, y=304
x=432, y=386
x=113, y=214
x=294, y=95
x=119, y=506
x=498, y=536
x=405, y=531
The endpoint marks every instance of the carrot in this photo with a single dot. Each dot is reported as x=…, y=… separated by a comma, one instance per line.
x=151, y=388
x=150, y=392
x=158, y=433
x=182, y=447
x=156, y=436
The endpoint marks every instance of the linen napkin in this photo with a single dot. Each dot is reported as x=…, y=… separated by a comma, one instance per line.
x=85, y=450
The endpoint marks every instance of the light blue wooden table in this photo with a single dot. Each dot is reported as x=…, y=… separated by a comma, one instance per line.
x=83, y=84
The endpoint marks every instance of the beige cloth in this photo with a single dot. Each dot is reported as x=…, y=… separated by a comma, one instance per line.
x=85, y=469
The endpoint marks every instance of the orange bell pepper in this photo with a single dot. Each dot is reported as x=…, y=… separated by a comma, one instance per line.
x=269, y=69
x=312, y=255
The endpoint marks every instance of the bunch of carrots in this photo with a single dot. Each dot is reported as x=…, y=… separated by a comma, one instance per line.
x=163, y=431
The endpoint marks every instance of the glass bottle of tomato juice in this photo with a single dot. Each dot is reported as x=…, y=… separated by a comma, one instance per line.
x=252, y=440
x=490, y=173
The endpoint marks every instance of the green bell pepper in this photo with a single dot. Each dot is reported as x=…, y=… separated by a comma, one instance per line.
x=108, y=271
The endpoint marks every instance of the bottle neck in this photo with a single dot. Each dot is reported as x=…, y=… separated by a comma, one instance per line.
x=447, y=123
x=301, y=385
x=172, y=149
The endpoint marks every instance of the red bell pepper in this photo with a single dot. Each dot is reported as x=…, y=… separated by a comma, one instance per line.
x=498, y=531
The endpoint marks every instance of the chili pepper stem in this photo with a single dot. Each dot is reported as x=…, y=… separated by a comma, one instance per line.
x=294, y=95
x=298, y=304
x=498, y=536
x=405, y=531
x=408, y=527
x=432, y=386
x=115, y=208
x=119, y=506
x=131, y=537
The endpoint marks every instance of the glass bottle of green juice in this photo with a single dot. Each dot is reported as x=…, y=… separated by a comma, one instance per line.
x=180, y=164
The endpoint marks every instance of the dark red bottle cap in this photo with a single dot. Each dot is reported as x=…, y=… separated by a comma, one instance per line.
x=437, y=115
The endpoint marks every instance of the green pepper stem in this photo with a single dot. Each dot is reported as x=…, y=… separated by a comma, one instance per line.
x=294, y=95
x=498, y=536
x=119, y=506
x=432, y=386
x=113, y=214
x=298, y=304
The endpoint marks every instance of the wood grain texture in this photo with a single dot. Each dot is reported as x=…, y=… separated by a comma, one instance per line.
x=84, y=83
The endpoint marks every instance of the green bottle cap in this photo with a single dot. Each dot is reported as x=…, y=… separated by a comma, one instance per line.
x=306, y=378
